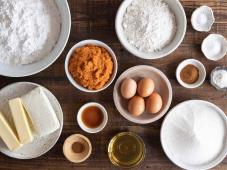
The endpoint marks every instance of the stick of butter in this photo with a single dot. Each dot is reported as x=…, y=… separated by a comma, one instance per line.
x=21, y=121
x=7, y=134
x=40, y=111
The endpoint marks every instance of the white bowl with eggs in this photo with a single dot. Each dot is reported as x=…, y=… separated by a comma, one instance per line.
x=162, y=86
x=13, y=70
x=181, y=22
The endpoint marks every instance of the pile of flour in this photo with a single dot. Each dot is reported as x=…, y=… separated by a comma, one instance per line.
x=29, y=29
x=149, y=25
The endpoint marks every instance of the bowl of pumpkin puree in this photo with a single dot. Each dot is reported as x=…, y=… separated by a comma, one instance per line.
x=91, y=66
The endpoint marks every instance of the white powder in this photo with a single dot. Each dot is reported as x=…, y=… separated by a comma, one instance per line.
x=220, y=78
x=195, y=133
x=29, y=30
x=149, y=25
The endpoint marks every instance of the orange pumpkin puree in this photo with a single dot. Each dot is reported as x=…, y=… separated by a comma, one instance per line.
x=91, y=66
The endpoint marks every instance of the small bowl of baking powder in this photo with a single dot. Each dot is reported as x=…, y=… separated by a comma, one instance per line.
x=151, y=29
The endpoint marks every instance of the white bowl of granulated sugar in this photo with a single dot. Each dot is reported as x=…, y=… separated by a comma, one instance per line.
x=33, y=35
x=151, y=29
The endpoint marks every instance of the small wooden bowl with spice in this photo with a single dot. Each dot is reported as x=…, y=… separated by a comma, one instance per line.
x=77, y=148
x=191, y=73
x=91, y=66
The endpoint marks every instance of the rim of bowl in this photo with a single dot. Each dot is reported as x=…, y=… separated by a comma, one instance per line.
x=89, y=149
x=142, y=54
x=158, y=116
x=93, y=42
x=201, y=68
x=178, y=163
x=58, y=54
x=101, y=126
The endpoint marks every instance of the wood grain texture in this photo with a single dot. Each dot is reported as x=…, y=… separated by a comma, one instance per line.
x=95, y=19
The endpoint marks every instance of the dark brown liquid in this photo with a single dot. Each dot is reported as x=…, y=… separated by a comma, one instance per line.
x=92, y=117
x=77, y=147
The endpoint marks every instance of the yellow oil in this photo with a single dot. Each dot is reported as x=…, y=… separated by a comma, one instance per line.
x=126, y=150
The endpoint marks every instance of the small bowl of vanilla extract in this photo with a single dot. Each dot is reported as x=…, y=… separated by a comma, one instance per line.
x=92, y=117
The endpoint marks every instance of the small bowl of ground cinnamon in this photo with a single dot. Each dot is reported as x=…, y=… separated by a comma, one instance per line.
x=91, y=66
x=191, y=73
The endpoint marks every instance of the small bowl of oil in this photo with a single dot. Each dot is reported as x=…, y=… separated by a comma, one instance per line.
x=126, y=150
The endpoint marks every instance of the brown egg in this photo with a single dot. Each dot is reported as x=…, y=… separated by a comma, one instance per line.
x=128, y=88
x=154, y=103
x=136, y=106
x=145, y=87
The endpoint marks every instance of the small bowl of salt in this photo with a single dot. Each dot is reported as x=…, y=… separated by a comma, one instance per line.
x=218, y=78
x=214, y=47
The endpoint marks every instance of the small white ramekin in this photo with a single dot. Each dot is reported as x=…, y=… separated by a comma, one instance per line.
x=92, y=130
x=92, y=42
x=202, y=73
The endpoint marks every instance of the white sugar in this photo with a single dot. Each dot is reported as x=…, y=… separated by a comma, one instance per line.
x=195, y=134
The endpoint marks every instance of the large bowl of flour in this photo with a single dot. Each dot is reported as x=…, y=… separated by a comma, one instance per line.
x=33, y=34
x=151, y=29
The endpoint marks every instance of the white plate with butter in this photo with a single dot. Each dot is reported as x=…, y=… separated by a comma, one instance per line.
x=40, y=145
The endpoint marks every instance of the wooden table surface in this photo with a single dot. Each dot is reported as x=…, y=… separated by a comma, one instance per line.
x=95, y=19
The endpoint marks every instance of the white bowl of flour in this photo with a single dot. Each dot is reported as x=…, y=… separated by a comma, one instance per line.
x=193, y=135
x=32, y=35
x=151, y=29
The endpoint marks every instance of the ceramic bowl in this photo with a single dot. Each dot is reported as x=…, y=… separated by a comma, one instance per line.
x=181, y=20
x=93, y=42
x=202, y=73
x=36, y=67
x=162, y=86
x=77, y=157
x=214, y=47
x=166, y=135
x=92, y=130
x=202, y=19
